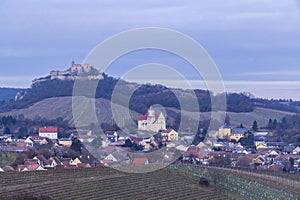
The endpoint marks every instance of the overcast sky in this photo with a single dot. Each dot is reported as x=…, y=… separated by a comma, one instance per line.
x=254, y=43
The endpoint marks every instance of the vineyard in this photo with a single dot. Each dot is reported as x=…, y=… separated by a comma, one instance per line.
x=173, y=182
x=248, y=185
x=104, y=183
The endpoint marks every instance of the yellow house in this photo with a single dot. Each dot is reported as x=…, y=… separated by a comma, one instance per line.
x=237, y=133
x=231, y=133
x=224, y=131
x=259, y=160
x=169, y=135
x=261, y=146
x=65, y=142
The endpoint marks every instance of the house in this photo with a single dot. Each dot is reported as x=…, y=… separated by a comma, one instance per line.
x=296, y=151
x=118, y=143
x=65, y=142
x=1, y=170
x=288, y=149
x=152, y=121
x=39, y=140
x=140, y=161
x=260, y=140
x=261, y=134
x=67, y=161
x=112, y=136
x=272, y=154
x=169, y=135
x=227, y=131
x=54, y=162
x=12, y=148
x=29, y=142
x=32, y=165
x=123, y=136
x=76, y=161
x=275, y=144
x=259, y=160
x=224, y=131
x=51, y=133
x=136, y=140
x=116, y=158
x=110, y=158
x=88, y=159
x=261, y=146
x=237, y=133
x=42, y=161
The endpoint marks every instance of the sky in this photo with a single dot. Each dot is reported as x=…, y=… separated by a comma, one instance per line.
x=254, y=43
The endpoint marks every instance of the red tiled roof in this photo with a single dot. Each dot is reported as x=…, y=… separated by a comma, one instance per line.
x=167, y=131
x=82, y=165
x=21, y=144
x=139, y=161
x=48, y=130
x=133, y=138
x=33, y=166
x=144, y=117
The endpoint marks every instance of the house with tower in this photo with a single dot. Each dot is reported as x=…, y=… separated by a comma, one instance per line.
x=152, y=121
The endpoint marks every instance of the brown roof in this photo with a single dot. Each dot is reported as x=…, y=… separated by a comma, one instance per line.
x=48, y=130
x=139, y=161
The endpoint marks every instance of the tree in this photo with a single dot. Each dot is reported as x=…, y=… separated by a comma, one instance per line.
x=270, y=124
x=227, y=119
x=241, y=126
x=128, y=143
x=6, y=130
x=248, y=140
x=22, y=133
x=284, y=124
x=275, y=123
x=254, y=126
x=76, y=145
x=97, y=142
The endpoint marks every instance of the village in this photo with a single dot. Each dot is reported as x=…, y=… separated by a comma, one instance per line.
x=155, y=145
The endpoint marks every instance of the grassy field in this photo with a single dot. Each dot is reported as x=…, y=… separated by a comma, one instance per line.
x=104, y=183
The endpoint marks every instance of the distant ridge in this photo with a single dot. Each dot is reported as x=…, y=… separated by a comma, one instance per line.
x=7, y=94
x=61, y=83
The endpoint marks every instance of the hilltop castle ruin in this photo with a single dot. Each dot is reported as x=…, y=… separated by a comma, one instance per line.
x=75, y=71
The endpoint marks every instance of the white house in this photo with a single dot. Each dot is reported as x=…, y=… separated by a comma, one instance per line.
x=51, y=133
x=29, y=142
x=152, y=121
